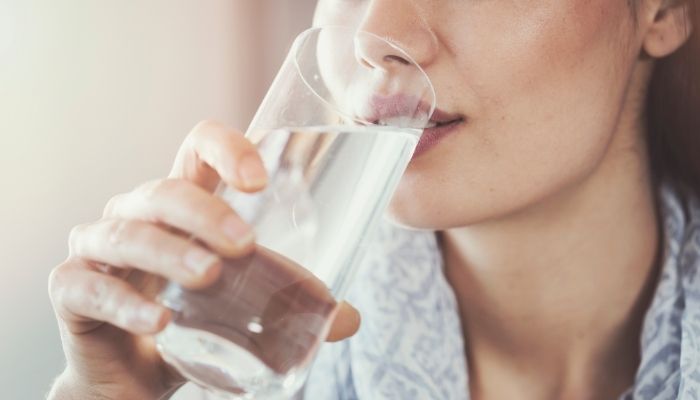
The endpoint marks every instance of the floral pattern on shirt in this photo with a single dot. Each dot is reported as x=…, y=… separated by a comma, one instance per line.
x=410, y=343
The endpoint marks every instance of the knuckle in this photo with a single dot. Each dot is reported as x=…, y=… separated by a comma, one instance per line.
x=154, y=190
x=150, y=190
x=237, y=144
x=204, y=127
x=207, y=218
x=60, y=282
x=74, y=238
x=202, y=132
x=112, y=204
x=56, y=283
x=99, y=294
x=162, y=251
x=209, y=130
x=119, y=232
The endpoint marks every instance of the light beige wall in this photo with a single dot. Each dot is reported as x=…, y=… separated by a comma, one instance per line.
x=95, y=97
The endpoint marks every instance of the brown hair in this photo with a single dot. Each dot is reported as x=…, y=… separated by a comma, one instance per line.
x=673, y=110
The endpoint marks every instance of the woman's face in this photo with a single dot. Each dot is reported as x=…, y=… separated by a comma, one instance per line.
x=540, y=85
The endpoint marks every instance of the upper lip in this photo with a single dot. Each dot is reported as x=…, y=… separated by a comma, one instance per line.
x=383, y=108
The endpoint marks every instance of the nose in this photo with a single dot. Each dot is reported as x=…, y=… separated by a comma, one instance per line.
x=403, y=23
x=377, y=54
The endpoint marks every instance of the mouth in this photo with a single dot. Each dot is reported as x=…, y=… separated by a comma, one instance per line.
x=432, y=123
x=440, y=125
x=396, y=110
x=441, y=118
x=403, y=111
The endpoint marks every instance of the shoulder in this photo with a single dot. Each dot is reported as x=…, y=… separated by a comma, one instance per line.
x=680, y=211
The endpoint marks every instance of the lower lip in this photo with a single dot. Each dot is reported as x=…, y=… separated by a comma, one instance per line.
x=432, y=136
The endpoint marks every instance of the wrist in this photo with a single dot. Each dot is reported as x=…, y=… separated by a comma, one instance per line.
x=62, y=389
x=68, y=387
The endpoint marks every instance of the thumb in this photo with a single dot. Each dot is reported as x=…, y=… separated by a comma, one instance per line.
x=345, y=324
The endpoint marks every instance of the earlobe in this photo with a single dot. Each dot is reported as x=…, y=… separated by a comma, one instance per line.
x=669, y=30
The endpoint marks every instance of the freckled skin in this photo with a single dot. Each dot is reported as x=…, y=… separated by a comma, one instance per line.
x=543, y=84
x=543, y=199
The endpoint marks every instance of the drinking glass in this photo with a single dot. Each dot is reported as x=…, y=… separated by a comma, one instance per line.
x=336, y=131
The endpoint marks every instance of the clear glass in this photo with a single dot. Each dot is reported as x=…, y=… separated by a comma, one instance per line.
x=336, y=131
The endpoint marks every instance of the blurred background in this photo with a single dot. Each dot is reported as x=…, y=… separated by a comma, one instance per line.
x=95, y=98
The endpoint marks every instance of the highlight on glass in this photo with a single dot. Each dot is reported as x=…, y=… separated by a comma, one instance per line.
x=336, y=131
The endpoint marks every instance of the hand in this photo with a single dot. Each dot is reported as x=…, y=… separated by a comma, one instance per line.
x=103, y=294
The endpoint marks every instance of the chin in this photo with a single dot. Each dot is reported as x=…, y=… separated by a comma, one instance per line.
x=412, y=212
x=423, y=200
x=401, y=221
x=432, y=207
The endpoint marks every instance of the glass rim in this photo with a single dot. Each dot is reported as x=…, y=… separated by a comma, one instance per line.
x=305, y=34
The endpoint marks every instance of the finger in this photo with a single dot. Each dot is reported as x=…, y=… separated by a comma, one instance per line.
x=189, y=208
x=137, y=244
x=345, y=324
x=212, y=151
x=80, y=294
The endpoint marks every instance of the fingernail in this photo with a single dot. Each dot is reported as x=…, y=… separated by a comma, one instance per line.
x=149, y=314
x=251, y=171
x=237, y=231
x=198, y=261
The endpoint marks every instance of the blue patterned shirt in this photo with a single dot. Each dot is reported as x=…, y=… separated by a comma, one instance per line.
x=410, y=345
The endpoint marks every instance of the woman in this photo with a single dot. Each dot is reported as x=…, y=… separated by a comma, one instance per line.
x=563, y=206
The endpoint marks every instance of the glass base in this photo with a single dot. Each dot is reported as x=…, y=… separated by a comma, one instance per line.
x=221, y=366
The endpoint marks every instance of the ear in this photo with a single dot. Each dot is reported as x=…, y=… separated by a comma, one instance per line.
x=669, y=28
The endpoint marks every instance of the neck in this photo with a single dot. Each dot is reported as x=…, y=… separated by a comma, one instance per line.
x=556, y=293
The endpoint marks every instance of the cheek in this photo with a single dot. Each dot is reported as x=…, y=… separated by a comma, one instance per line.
x=543, y=90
